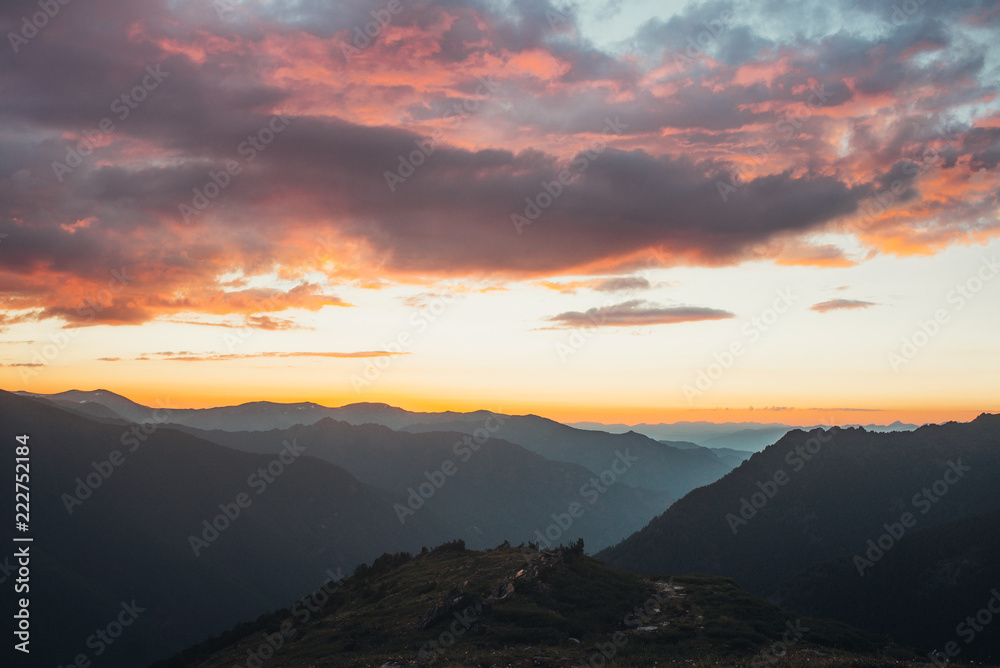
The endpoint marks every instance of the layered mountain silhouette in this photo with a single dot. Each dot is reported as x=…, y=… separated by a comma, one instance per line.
x=663, y=467
x=490, y=490
x=659, y=466
x=199, y=520
x=128, y=535
x=728, y=456
x=255, y=415
x=742, y=436
x=813, y=501
x=125, y=503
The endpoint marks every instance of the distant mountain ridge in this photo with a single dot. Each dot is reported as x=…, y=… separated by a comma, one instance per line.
x=746, y=436
x=250, y=416
x=664, y=468
x=491, y=491
x=729, y=456
x=264, y=415
x=660, y=467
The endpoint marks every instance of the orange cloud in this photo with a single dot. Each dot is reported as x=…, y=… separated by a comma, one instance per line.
x=220, y=357
x=803, y=255
x=839, y=304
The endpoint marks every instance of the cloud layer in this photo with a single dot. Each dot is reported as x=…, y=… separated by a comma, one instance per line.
x=195, y=151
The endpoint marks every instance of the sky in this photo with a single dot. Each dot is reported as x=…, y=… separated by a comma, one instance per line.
x=601, y=210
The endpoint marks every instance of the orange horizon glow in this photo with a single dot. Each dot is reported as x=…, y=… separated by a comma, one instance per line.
x=565, y=413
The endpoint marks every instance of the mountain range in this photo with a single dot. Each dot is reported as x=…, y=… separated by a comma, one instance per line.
x=146, y=497
x=192, y=532
x=492, y=491
x=819, y=516
x=743, y=436
x=203, y=520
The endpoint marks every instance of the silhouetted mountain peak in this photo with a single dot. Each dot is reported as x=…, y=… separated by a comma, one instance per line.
x=372, y=405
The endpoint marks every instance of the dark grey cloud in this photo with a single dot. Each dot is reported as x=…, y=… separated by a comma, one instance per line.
x=637, y=313
x=984, y=144
x=621, y=284
x=455, y=211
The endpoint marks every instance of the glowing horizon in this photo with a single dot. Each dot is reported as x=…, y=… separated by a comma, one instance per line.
x=793, y=416
x=611, y=212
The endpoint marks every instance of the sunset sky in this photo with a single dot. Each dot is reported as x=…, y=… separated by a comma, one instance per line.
x=606, y=210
